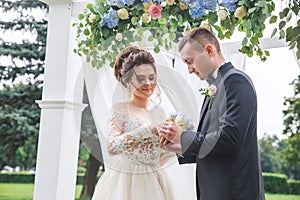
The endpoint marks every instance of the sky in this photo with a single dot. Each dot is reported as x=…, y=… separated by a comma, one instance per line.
x=272, y=80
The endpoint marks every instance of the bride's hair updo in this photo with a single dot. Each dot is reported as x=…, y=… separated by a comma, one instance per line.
x=121, y=58
x=127, y=60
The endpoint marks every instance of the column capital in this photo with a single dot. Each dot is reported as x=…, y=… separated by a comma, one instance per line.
x=61, y=104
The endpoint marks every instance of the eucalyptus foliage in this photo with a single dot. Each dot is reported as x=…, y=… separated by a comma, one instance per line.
x=106, y=27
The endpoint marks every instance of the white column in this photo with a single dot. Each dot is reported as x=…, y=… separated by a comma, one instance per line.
x=61, y=106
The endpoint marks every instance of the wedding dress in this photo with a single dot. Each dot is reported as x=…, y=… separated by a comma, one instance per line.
x=139, y=172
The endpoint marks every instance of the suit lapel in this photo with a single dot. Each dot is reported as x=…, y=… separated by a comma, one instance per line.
x=221, y=72
x=203, y=109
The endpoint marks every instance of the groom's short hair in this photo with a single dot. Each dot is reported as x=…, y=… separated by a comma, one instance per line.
x=199, y=37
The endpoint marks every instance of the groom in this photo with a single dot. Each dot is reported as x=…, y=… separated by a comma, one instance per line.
x=225, y=144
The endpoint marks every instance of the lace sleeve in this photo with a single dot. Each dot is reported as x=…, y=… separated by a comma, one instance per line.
x=117, y=140
x=165, y=156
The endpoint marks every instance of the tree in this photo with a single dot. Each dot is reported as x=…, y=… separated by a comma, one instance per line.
x=269, y=156
x=21, y=76
x=27, y=56
x=290, y=154
x=19, y=124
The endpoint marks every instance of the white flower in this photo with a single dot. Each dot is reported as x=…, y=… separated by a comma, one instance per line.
x=133, y=21
x=122, y=13
x=170, y=2
x=222, y=14
x=182, y=6
x=180, y=120
x=240, y=12
x=119, y=37
x=146, y=18
x=205, y=24
x=92, y=18
x=212, y=90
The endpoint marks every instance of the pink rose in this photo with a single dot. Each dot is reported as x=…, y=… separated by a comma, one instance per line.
x=155, y=11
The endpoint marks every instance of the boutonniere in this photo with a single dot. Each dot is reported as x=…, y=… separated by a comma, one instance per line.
x=210, y=92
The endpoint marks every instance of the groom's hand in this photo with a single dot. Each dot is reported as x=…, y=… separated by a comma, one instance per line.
x=169, y=132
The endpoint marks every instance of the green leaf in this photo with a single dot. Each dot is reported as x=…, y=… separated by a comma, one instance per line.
x=212, y=18
x=105, y=31
x=273, y=19
x=156, y=49
x=248, y=33
x=254, y=40
x=89, y=6
x=296, y=31
x=251, y=10
x=140, y=32
x=289, y=17
x=284, y=13
x=282, y=24
x=261, y=3
x=81, y=16
x=267, y=53
x=289, y=34
x=296, y=9
x=150, y=38
x=162, y=21
x=292, y=46
x=172, y=36
x=281, y=34
x=86, y=32
x=298, y=54
x=244, y=42
x=274, y=32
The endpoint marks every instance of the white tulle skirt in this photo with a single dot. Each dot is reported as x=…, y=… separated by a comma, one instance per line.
x=135, y=182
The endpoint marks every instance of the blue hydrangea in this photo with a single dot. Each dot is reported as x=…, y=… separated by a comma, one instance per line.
x=210, y=4
x=146, y=1
x=112, y=2
x=120, y=2
x=230, y=5
x=129, y=2
x=110, y=19
x=197, y=10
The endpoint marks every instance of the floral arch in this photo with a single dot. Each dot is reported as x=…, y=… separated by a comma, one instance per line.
x=109, y=26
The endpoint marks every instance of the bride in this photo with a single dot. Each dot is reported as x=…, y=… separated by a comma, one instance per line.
x=138, y=167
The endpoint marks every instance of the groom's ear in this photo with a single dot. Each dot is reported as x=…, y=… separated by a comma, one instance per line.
x=209, y=49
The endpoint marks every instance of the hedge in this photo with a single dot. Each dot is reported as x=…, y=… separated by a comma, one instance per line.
x=15, y=177
x=23, y=177
x=294, y=186
x=276, y=183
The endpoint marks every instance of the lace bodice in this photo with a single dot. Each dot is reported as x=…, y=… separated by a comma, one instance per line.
x=130, y=135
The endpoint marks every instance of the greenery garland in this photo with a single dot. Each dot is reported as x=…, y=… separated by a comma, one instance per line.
x=106, y=27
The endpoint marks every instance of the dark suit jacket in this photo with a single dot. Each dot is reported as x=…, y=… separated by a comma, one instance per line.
x=225, y=144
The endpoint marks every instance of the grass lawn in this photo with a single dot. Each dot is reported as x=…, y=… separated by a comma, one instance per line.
x=17, y=191
x=282, y=197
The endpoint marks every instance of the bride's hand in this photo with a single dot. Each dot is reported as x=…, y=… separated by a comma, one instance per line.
x=171, y=132
x=154, y=131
